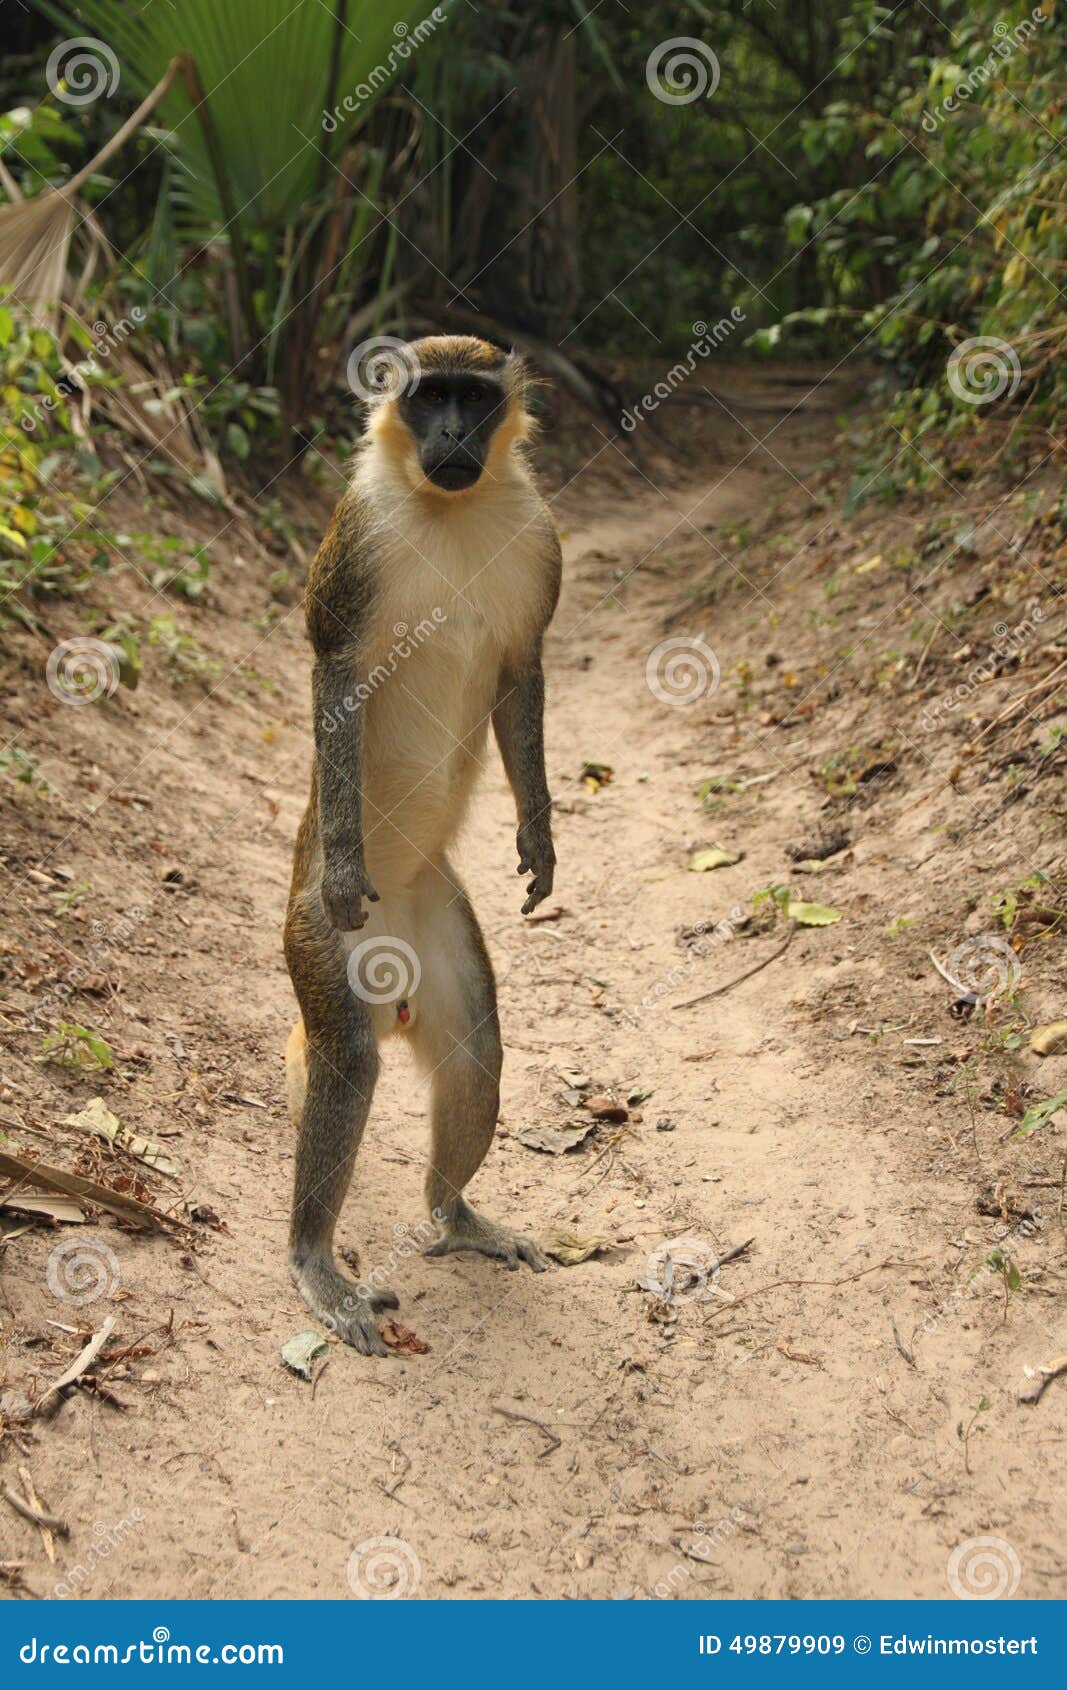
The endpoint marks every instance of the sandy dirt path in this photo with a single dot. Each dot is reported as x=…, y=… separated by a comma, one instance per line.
x=781, y=1445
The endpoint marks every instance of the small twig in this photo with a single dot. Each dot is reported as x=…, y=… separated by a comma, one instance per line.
x=77, y=1367
x=1045, y=1375
x=776, y=1284
x=734, y=1251
x=530, y=1420
x=960, y=991
x=902, y=1347
x=1041, y=686
x=46, y=1536
x=29, y=1512
x=717, y=991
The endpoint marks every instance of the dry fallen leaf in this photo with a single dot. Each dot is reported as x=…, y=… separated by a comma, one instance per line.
x=1050, y=1040
x=299, y=1353
x=716, y=856
x=568, y=1249
x=402, y=1340
x=555, y=1140
x=97, y=1118
x=812, y=915
x=605, y=1106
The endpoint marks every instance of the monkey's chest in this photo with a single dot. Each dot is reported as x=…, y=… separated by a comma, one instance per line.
x=426, y=718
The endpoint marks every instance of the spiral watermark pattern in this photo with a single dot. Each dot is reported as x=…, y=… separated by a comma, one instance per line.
x=985, y=965
x=383, y=368
x=681, y=1270
x=384, y=969
x=82, y=1270
x=984, y=1569
x=81, y=670
x=984, y=369
x=383, y=1569
x=682, y=70
x=81, y=69
x=682, y=669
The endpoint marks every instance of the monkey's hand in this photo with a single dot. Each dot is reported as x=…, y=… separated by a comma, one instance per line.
x=344, y=888
x=536, y=857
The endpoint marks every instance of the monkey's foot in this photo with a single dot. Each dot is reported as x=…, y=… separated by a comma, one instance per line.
x=467, y=1230
x=342, y=1305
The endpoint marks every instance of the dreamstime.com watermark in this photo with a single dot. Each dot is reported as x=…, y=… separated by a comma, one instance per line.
x=407, y=640
x=682, y=70
x=383, y=1569
x=82, y=1270
x=682, y=669
x=157, y=1651
x=105, y=338
x=408, y=41
x=1007, y=644
x=80, y=69
x=984, y=369
x=410, y=1241
x=106, y=1539
x=984, y=966
x=984, y=1569
x=105, y=940
x=681, y=1270
x=699, y=1548
x=82, y=670
x=704, y=939
x=706, y=341
x=383, y=367
x=384, y=969
x=1011, y=39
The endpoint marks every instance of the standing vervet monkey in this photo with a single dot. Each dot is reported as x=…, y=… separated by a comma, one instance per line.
x=441, y=532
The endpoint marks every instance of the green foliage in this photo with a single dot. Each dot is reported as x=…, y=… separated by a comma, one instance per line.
x=21, y=766
x=77, y=1047
x=958, y=232
x=181, y=651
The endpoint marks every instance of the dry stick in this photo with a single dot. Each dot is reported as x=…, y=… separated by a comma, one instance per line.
x=1016, y=702
x=776, y=1284
x=736, y=1250
x=46, y=1536
x=167, y=1327
x=717, y=991
x=73, y=1185
x=529, y=1420
x=77, y=1367
x=28, y=1512
x=133, y=122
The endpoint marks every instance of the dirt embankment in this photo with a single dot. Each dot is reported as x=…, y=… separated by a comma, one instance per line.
x=834, y=1411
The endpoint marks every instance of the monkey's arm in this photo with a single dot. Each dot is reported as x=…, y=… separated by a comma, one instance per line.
x=339, y=592
x=518, y=720
x=339, y=764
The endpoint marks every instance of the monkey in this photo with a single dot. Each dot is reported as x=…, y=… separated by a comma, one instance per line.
x=426, y=607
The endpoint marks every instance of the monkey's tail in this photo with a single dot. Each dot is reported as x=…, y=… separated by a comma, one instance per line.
x=296, y=1072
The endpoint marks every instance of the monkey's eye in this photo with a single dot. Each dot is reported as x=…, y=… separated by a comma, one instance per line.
x=474, y=395
x=432, y=395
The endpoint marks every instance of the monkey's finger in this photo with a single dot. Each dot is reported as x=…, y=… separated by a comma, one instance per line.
x=369, y=892
x=524, y=867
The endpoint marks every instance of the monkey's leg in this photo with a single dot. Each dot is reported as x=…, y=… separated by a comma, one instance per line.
x=457, y=1036
x=341, y=1068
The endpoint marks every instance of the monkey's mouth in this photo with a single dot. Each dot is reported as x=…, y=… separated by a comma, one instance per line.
x=455, y=474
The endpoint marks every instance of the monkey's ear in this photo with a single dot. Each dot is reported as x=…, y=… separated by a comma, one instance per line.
x=517, y=376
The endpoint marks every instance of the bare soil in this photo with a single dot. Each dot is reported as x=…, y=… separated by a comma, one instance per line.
x=835, y=1411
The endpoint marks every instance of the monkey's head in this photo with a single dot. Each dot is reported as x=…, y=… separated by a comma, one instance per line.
x=455, y=412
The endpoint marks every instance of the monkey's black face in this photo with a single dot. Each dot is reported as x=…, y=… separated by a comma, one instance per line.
x=452, y=419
